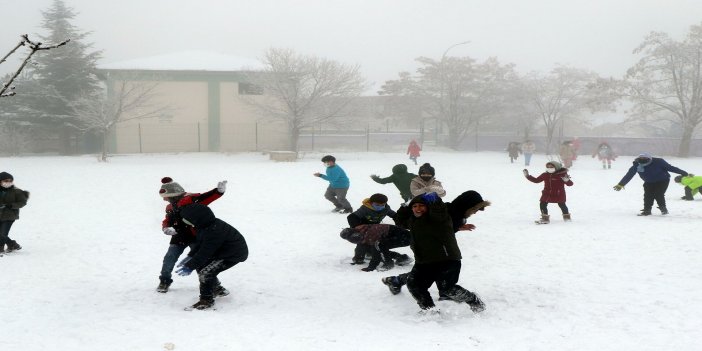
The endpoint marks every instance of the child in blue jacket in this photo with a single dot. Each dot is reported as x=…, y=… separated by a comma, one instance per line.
x=654, y=172
x=338, y=185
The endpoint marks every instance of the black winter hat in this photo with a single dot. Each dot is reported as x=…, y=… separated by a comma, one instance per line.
x=379, y=199
x=328, y=158
x=427, y=169
x=6, y=176
x=678, y=179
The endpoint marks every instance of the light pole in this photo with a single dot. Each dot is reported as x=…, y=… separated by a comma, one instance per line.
x=443, y=81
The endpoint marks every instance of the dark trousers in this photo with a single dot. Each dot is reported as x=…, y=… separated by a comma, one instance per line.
x=5, y=232
x=544, y=207
x=445, y=275
x=688, y=193
x=655, y=191
x=208, y=277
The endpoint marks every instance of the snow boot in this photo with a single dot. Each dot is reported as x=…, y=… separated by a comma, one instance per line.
x=203, y=304
x=544, y=219
x=13, y=246
x=644, y=212
x=346, y=210
x=163, y=286
x=566, y=217
x=476, y=305
x=220, y=291
x=686, y=198
x=664, y=210
x=337, y=210
x=393, y=284
x=386, y=266
x=2, y=249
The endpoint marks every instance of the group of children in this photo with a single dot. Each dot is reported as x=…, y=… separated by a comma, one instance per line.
x=424, y=222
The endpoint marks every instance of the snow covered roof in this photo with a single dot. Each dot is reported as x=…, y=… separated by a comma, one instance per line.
x=187, y=61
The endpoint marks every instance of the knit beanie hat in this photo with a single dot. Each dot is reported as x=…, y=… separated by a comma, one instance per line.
x=169, y=188
x=6, y=176
x=426, y=169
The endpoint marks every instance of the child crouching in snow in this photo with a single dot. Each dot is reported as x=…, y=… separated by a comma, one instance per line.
x=218, y=247
x=555, y=179
x=379, y=239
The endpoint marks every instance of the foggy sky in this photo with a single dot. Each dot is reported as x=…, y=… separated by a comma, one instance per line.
x=383, y=37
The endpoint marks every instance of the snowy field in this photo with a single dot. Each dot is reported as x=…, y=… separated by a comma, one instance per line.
x=93, y=246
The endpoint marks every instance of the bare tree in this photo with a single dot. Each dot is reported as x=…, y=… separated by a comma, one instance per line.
x=33, y=48
x=304, y=90
x=127, y=100
x=455, y=90
x=666, y=83
x=565, y=93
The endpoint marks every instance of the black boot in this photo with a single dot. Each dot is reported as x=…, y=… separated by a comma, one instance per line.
x=476, y=305
x=393, y=283
x=203, y=304
x=664, y=210
x=164, y=285
x=13, y=246
x=220, y=291
x=645, y=212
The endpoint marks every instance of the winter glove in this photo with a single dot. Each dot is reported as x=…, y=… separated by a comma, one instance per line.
x=184, y=271
x=618, y=187
x=430, y=198
x=375, y=177
x=526, y=172
x=222, y=186
x=565, y=179
x=184, y=261
x=169, y=231
x=467, y=226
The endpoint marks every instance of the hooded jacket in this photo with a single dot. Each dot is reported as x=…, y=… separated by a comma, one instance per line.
x=215, y=240
x=401, y=178
x=366, y=214
x=653, y=172
x=554, y=186
x=13, y=198
x=469, y=200
x=185, y=234
x=432, y=235
x=692, y=182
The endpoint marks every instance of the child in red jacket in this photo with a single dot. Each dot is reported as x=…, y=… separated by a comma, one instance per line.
x=181, y=235
x=555, y=179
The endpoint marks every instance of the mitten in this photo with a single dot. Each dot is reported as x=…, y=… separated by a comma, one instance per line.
x=526, y=172
x=222, y=186
x=565, y=179
x=374, y=177
x=169, y=231
x=184, y=261
x=184, y=271
x=430, y=198
x=618, y=187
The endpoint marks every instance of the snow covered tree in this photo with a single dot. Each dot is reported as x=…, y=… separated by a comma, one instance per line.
x=69, y=72
x=302, y=90
x=666, y=83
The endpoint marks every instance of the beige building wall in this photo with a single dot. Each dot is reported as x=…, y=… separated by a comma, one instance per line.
x=181, y=128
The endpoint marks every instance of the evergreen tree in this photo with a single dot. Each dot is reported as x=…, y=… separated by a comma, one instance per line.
x=65, y=76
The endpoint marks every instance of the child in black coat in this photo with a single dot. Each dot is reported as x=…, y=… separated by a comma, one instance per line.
x=218, y=247
x=379, y=239
x=373, y=211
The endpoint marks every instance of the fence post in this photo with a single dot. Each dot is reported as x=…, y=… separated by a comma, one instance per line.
x=139, y=138
x=199, y=147
x=313, y=137
x=256, y=136
x=368, y=138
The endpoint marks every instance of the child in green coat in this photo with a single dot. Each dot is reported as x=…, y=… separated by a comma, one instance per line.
x=691, y=183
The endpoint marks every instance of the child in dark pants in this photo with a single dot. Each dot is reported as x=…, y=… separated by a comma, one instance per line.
x=555, y=179
x=373, y=211
x=438, y=258
x=218, y=247
x=379, y=239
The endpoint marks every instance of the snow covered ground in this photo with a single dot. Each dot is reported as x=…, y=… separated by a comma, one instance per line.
x=86, y=278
